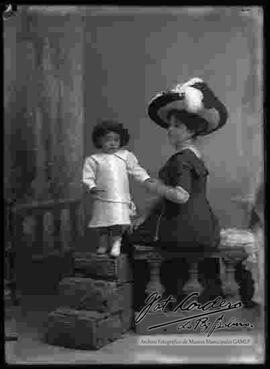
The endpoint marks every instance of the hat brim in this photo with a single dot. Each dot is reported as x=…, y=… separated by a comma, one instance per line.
x=211, y=119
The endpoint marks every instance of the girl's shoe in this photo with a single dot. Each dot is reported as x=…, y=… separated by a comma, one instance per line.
x=102, y=250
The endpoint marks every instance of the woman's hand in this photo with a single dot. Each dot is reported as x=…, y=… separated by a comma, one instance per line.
x=175, y=194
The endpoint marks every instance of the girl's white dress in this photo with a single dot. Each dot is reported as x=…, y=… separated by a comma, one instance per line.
x=109, y=172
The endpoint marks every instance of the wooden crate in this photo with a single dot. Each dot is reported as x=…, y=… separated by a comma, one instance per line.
x=82, y=329
x=103, y=267
x=94, y=294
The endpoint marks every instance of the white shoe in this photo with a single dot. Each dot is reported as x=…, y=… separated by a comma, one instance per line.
x=101, y=250
x=116, y=249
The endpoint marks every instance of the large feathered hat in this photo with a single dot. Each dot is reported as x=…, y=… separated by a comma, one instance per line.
x=194, y=99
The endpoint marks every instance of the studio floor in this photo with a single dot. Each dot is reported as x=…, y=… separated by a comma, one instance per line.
x=28, y=319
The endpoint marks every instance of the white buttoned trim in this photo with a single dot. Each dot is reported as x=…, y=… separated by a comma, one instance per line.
x=193, y=149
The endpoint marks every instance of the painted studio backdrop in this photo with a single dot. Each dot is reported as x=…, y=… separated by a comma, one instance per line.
x=66, y=67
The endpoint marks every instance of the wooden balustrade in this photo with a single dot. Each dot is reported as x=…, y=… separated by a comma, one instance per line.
x=228, y=257
x=42, y=228
x=52, y=227
x=48, y=227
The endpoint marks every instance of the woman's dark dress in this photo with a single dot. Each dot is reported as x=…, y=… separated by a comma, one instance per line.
x=192, y=224
x=171, y=226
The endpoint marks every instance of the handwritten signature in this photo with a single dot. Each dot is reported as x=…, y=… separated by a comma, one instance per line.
x=154, y=303
x=205, y=325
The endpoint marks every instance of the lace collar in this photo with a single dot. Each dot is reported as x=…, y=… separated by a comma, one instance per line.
x=192, y=148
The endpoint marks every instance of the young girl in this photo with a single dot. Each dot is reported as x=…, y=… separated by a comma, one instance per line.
x=106, y=175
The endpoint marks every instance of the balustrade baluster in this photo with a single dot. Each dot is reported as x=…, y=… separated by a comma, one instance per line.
x=48, y=233
x=29, y=230
x=65, y=229
x=80, y=227
x=222, y=269
x=229, y=285
x=154, y=285
x=193, y=284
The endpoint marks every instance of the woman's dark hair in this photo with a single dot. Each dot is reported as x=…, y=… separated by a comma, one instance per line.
x=193, y=122
x=106, y=126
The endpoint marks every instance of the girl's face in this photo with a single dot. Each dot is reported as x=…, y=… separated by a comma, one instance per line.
x=178, y=132
x=110, y=142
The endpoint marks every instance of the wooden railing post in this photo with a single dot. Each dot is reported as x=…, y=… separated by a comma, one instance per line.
x=80, y=226
x=65, y=229
x=48, y=233
x=154, y=285
x=193, y=284
x=231, y=258
x=29, y=230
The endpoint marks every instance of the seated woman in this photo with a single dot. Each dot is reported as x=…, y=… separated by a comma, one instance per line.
x=186, y=112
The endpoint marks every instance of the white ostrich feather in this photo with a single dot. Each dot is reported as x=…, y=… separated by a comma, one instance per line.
x=192, y=81
x=193, y=96
x=193, y=99
x=178, y=88
x=181, y=88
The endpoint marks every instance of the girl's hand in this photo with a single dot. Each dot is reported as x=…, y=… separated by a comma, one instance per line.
x=94, y=191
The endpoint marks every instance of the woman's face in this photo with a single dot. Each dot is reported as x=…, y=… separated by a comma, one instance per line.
x=178, y=132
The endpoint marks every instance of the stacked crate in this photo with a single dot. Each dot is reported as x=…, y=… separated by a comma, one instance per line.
x=96, y=303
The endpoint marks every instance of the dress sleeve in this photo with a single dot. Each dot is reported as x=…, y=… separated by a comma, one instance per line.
x=182, y=174
x=135, y=170
x=89, y=172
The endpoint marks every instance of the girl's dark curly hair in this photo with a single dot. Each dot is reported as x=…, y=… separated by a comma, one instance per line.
x=106, y=126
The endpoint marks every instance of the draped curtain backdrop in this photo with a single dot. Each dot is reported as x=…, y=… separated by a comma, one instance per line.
x=44, y=107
